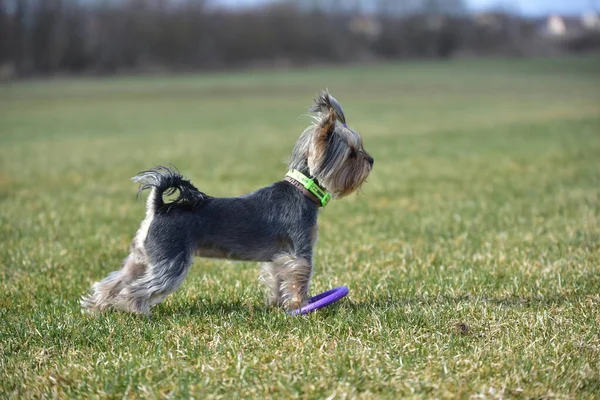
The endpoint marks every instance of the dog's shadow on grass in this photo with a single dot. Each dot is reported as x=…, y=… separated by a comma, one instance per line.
x=236, y=308
x=208, y=308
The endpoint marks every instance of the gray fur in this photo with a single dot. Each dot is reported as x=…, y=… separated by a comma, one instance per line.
x=275, y=225
x=324, y=102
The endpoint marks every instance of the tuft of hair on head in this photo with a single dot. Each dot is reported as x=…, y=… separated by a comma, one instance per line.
x=325, y=102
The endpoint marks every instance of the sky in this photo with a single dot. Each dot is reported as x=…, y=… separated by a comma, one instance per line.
x=526, y=7
x=539, y=7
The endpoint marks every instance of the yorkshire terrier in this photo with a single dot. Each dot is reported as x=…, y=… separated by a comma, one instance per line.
x=275, y=225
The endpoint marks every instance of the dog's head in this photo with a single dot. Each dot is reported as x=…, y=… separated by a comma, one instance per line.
x=331, y=152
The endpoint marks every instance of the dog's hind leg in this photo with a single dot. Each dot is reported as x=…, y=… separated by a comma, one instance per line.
x=161, y=278
x=109, y=291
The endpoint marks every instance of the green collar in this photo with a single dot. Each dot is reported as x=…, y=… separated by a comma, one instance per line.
x=319, y=193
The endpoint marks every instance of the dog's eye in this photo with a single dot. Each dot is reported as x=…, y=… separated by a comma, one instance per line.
x=353, y=153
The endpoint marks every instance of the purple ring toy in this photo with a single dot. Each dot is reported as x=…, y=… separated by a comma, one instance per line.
x=322, y=300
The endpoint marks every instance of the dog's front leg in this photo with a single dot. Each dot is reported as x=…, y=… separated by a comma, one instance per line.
x=292, y=275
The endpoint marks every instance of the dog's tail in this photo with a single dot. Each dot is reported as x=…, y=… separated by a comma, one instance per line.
x=163, y=180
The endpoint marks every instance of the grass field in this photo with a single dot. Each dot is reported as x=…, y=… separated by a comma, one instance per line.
x=472, y=255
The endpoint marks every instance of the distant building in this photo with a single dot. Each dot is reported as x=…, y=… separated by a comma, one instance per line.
x=558, y=26
x=366, y=26
x=555, y=26
x=490, y=21
x=591, y=21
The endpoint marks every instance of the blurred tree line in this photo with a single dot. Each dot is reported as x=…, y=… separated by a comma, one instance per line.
x=40, y=37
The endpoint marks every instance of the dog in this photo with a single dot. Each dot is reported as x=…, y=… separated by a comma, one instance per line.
x=275, y=225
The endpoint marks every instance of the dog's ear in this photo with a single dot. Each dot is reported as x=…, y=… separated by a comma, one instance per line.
x=320, y=142
x=325, y=102
x=326, y=126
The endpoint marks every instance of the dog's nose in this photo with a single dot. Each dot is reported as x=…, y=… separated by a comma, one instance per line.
x=370, y=160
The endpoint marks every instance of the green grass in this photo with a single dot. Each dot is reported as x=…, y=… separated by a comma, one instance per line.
x=472, y=255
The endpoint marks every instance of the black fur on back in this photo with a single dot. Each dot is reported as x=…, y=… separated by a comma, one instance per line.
x=167, y=181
